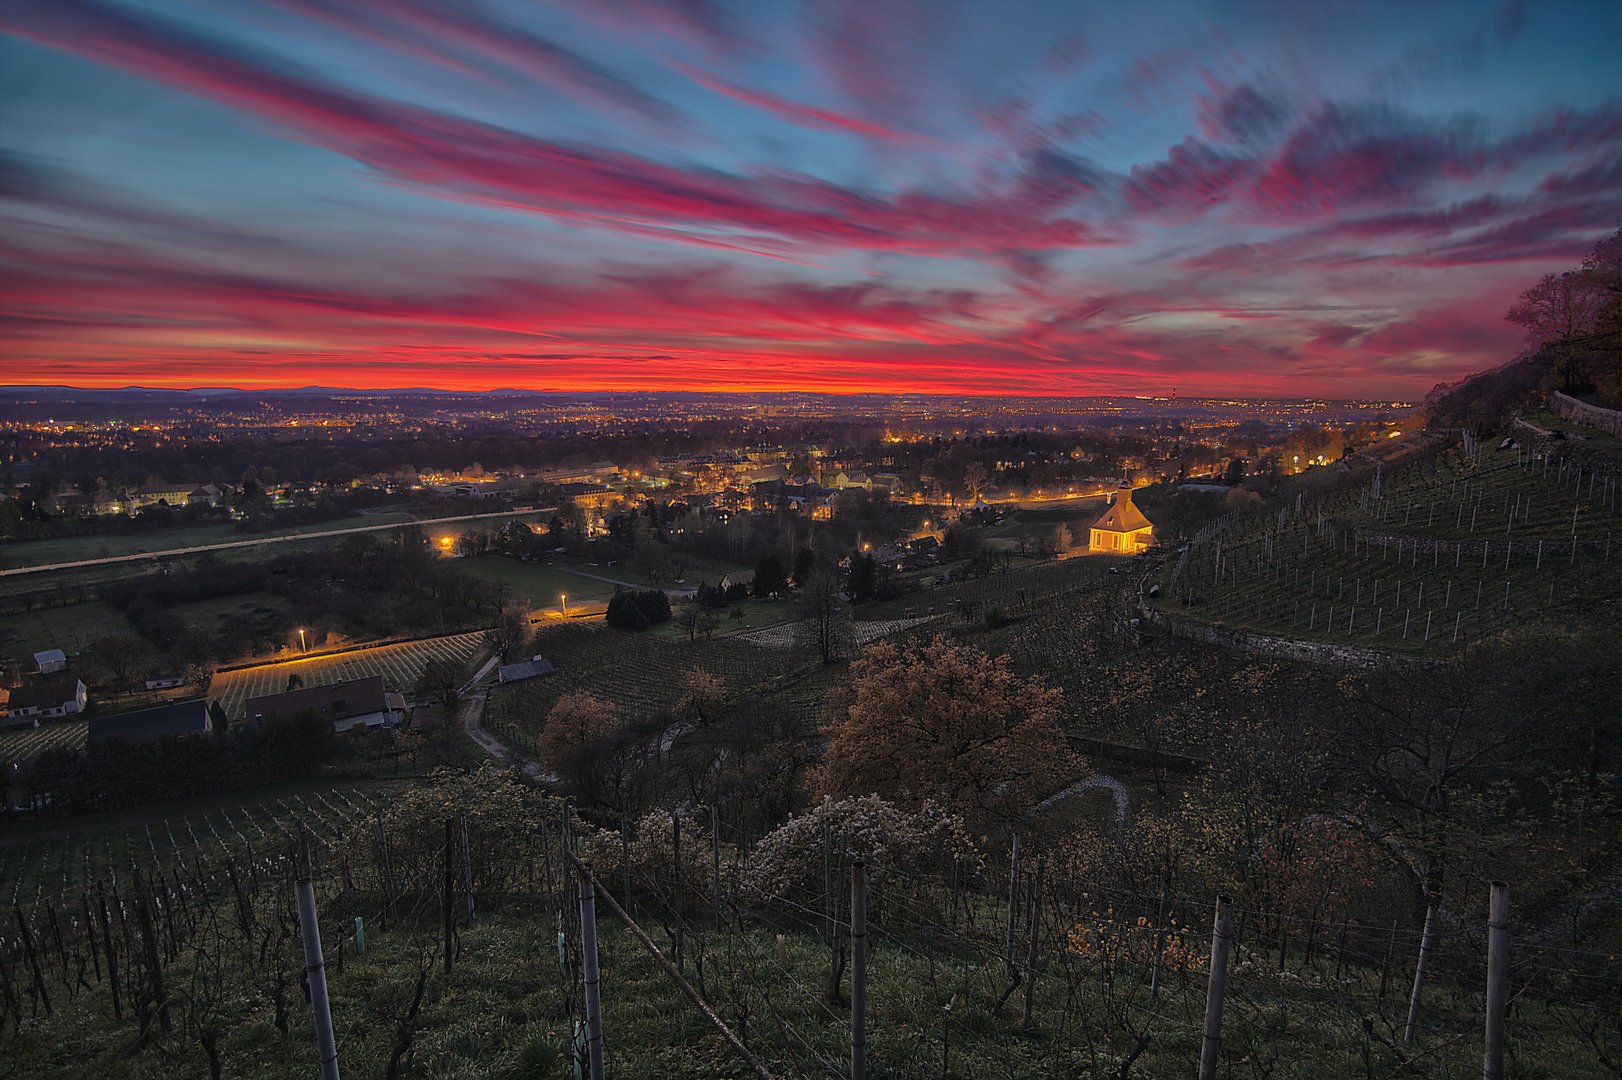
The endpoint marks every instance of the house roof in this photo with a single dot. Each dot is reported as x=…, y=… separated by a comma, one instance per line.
x=525, y=669
x=177, y=718
x=50, y=656
x=338, y=701
x=47, y=692
x=1122, y=516
x=739, y=577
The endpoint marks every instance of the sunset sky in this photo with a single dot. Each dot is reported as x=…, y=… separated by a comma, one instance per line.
x=1262, y=198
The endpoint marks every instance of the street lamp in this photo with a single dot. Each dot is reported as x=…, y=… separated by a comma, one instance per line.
x=302, y=644
x=563, y=599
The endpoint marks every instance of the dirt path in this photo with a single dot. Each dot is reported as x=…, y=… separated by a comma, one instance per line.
x=472, y=713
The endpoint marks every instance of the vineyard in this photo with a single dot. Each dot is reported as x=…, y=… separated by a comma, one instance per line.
x=640, y=673
x=786, y=635
x=50, y=870
x=400, y=665
x=1443, y=552
x=20, y=744
x=452, y=941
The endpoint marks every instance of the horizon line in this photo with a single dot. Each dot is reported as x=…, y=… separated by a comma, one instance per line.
x=983, y=395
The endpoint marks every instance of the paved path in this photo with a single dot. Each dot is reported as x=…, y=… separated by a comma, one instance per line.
x=1116, y=789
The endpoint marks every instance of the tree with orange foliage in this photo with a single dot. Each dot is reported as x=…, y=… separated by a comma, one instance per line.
x=950, y=723
x=702, y=693
x=577, y=720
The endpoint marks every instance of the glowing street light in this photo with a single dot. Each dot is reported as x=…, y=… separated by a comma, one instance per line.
x=563, y=600
x=302, y=644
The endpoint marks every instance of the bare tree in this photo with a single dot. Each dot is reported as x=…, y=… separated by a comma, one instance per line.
x=1557, y=312
x=823, y=621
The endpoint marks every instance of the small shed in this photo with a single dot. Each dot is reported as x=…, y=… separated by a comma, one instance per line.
x=525, y=669
x=50, y=660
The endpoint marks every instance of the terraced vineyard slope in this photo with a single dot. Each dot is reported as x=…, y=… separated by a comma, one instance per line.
x=1425, y=559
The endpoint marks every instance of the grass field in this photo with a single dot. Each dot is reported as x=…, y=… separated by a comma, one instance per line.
x=1025, y=583
x=1036, y=522
x=70, y=548
x=400, y=666
x=540, y=583
x=69, y=628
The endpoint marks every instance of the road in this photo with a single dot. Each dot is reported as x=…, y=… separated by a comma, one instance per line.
x=232, y=545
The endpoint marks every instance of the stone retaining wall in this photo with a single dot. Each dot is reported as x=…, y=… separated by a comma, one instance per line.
x=1310, y=652
x=1581, y=412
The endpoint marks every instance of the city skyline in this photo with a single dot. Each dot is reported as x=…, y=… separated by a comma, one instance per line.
x=1022, y=199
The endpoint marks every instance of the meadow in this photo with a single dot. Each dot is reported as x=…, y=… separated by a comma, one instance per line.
x=70, y=628
x=542, y=584
x=18, y=553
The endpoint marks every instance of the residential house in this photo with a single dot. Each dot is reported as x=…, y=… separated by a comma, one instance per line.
x=58, y=694
x=158, y=493
x=206, y=495
x=345, y=705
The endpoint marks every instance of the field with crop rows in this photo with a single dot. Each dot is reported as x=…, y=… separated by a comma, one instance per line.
x=1442, y=552
x=400, y=665
x=20, y=744
x=786, y=635
x=641, y=673
x=57, y=867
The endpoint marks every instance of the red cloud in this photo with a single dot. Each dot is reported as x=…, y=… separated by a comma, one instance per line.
x=469, y=159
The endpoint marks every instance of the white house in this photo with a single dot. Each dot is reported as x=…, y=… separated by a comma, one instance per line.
x=56, y=695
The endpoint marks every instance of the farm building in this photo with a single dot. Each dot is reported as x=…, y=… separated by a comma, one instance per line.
x=1121, y=529
x=346, y=705
x=177, y=718
x=525, y=669
x=58, y=694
